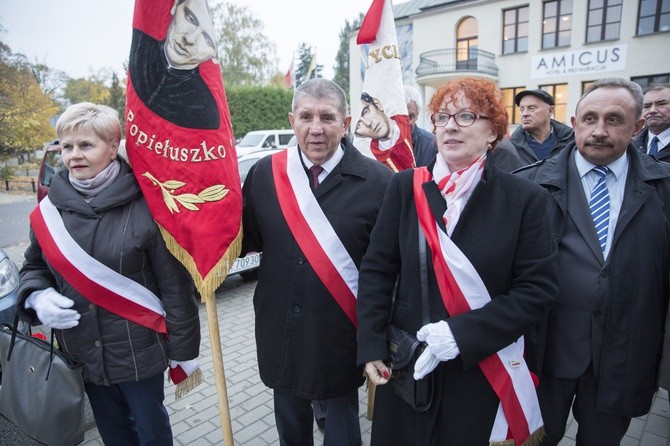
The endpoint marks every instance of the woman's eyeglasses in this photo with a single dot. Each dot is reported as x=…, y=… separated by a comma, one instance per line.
x=463, y=119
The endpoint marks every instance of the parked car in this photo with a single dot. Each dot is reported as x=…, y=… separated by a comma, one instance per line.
x=247, y=266
x=9, y=284
x=51, y=163
x=263, y=139
x=245, y=162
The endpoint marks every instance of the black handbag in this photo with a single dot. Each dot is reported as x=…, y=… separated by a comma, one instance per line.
x=405, y=349
x=42, y=389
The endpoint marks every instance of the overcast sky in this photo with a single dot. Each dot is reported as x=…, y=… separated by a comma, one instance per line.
x=82, y=36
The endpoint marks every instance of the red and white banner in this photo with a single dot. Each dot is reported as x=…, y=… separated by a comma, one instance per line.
x=383, y=130
x=179, y=137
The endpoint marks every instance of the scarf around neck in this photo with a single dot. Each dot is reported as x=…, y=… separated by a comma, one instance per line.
x=93, y=186
x=456, y=187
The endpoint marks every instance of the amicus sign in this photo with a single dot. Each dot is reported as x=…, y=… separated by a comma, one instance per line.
x=589, y=60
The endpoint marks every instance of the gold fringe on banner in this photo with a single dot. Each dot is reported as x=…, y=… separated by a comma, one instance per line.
x=206, y=286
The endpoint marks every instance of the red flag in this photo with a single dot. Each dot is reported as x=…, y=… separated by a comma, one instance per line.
x=383, y=130
x=288, y=77
x=179, y=138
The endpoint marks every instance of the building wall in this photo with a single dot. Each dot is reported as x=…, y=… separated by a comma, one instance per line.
x=436, y=29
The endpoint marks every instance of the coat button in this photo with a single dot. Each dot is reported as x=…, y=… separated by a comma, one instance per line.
x=597, y=313
x=97, y=343
x=301, y=260
x=297, y=309
x=91, y=307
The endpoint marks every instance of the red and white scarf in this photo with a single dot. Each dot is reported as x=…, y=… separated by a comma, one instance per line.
x=96, y=282
x=462, y=289
x=323, y=248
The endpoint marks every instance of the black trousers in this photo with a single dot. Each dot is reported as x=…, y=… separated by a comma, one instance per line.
x=295, y=420
x=558, y=395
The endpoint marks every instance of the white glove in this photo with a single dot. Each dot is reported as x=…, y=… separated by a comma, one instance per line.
x=52, y=309
x=441, y=346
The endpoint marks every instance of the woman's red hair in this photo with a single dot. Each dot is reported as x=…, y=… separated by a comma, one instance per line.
x=485, y=99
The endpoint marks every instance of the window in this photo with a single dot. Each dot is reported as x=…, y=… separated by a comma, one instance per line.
x=515, y=30
x=560, y=94
x=604, y=20
x=510, y=106
x=654, y=16
x=586, y=84
x=467, y=41
x=557, y=23
x=644, y=81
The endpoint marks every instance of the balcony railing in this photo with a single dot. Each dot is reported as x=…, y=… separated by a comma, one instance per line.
x=453, y=61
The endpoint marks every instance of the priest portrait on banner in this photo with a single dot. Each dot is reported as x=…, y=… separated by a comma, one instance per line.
x=166, y=73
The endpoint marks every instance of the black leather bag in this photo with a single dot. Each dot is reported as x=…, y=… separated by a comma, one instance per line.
x=404, y=350
x=42, y=389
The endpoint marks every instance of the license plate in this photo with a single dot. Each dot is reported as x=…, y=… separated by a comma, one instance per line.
x=250, y=261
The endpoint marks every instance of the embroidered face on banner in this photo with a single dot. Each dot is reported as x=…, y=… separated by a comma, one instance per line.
x=178, y=134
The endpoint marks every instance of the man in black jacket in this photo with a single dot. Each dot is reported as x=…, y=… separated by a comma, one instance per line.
x=538, y=137
x=310, y=209
x=610, y=218
x=656, y=112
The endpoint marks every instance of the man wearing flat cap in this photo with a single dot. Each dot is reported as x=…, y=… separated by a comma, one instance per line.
x=538, y=137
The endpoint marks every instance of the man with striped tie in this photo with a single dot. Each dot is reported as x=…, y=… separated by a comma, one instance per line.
x=611, y=220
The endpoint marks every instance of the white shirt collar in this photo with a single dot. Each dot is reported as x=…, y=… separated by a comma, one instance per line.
x=618, y=167
x=329, y=165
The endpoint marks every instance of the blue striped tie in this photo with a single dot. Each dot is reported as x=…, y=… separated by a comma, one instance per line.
x=600, y=206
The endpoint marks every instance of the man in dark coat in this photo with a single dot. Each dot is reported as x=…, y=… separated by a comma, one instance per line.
x=538, y=137
x=656, y=112
x=307, y=282
x=606, y=328
x=423, y=142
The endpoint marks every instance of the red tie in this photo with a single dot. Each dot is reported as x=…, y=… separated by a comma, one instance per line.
x=314, y=171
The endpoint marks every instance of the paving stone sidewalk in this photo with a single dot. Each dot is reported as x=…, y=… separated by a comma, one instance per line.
x=195, y=418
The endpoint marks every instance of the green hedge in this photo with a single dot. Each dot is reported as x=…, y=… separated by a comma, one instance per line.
x=258, y=108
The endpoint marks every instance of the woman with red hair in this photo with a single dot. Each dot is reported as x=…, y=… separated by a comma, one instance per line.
x=490, y=280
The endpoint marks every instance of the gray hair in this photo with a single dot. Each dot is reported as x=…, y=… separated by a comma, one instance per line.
x=617, y=82
x=656, y=87
x=320, y=88
x=103, y=120
x=412, y=95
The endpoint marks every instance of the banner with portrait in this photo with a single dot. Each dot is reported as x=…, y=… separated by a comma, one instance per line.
x=383, y=130
x=179, y=137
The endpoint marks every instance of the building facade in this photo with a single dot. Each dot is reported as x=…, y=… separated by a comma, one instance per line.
x=558, y=45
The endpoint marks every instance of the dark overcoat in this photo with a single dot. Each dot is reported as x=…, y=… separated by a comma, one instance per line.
x=306, y=344
x=504, y=231
x=610, y=312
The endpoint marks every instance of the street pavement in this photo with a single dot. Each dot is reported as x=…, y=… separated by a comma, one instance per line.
x=195, y=418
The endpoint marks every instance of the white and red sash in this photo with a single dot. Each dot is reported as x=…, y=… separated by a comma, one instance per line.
x=323, y=248
x=463, y=290
x=96, y=282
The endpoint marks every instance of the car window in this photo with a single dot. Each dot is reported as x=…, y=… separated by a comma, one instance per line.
x=251, y=140
x=285, y=139
x=52, y=164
